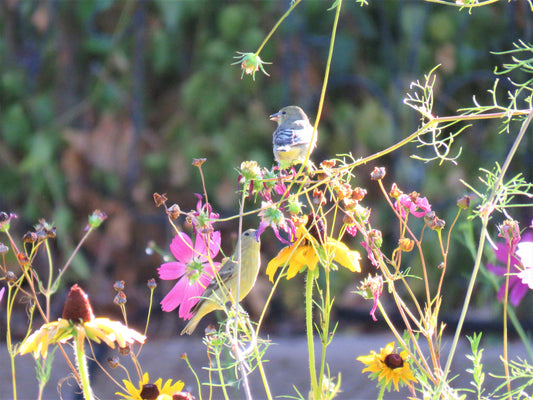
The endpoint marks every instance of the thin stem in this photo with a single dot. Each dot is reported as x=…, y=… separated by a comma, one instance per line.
x=221, y=375
x=81, y=361
x=198, y=384
x=267, y=38
x=309, y=329
x=505, y=330
x=325, y=82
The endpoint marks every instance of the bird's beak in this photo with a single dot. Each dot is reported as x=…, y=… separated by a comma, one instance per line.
x=275, y=117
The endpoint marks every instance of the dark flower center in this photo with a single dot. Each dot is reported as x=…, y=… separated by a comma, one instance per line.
x=149, y=392
x=77, y=306
x=394, y=360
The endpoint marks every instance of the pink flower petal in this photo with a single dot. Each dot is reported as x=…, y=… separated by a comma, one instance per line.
x=173, y=298
x=214, y=245
x=518, y=290
x=171, y=270
x=181, y=247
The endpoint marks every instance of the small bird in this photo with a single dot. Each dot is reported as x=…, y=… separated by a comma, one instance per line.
x=293, y=137
x=213, y=294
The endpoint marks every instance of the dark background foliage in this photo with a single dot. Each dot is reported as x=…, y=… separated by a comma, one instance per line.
x=104, y=102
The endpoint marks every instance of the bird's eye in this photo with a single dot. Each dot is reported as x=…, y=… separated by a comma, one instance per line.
x=284, y=112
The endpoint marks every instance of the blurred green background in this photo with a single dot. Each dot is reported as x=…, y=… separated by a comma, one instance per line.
x=104, y=102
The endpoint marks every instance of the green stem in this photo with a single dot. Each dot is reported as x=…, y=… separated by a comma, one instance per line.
x=481, y=247
x=221, y=375
x=325, y=339
x=81, y=362
x=9, y=343
x=267, y=38
x=326, y=78
x=309, y=328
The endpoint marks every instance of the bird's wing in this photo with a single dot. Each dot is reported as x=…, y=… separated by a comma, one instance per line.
x=291, y=136
x=225, y=272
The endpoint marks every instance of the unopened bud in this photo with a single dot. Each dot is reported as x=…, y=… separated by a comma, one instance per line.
x=378, y=173
x=464, y=202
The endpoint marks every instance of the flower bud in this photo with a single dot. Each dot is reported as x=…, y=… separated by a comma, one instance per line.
x=174, y=211
x=96, y=218
x=124, y=351
x=395, y=191
x=119, y=286
x=11, y=277
x=464, y=202
x=3, y=248
x=113, y=362
x=378, y=173
x=405, y=244
x=120, y=299
x=197, y=162
x=358, y=194
x=151, y=284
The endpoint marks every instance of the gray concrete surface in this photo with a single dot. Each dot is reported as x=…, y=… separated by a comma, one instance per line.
x=286, y=368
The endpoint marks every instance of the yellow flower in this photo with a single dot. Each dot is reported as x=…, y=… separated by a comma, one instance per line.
x=388, y=367
x=78, y=322
x=307, y=251
x=149, y=390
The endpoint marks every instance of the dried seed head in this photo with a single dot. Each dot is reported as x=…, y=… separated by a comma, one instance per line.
x=119, y=286
x=160, y=199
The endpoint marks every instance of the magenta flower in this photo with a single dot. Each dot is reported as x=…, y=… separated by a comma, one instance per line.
x=272, y=216
x=203, y=218
x=194, y=268
x=517, y=287
x=418, y=207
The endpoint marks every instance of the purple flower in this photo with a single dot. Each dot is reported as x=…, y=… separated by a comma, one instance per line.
x=517, y=287
x=194, y=268
x=272, y=216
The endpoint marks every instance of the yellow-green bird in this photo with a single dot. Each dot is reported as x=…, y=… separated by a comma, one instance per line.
x=250, y=246
x=293, y=137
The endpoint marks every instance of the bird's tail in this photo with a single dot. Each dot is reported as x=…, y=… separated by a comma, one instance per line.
x=191, y=325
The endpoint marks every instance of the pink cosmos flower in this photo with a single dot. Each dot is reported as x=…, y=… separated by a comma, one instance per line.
x=418, y=207
x=194, y=268
x=517, y=286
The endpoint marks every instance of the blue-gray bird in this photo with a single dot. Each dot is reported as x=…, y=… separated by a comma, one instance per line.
x=293, y=137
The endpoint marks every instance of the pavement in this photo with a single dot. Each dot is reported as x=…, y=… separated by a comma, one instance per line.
x=286, y=369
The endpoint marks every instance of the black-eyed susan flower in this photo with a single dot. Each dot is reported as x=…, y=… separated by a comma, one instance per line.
x=148, y=390
x=308, y=251
x=78, y=322
x=389, y=367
